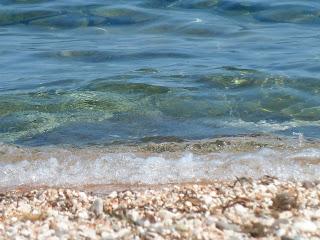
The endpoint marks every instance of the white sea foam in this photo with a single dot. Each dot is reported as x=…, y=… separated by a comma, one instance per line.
x=92, y=166
x=265, y=126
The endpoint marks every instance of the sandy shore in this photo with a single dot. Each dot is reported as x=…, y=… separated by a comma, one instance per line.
x=241, y=209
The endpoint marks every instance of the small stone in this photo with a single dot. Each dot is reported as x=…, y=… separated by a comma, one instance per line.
x=308, y=184
x=52, y=194
x=88, y=233
x=227, y=226
x=11, y=231
x=123, y=233
x=211, y=220
x=256, y=230
x=153, y=236
x=165, y=214
x=83, y=197
x=114, y=194
x=284, y=201
x=240, y=210
x=182, y=227
x=285, y=215
x=52, y=213
x=305, y=226
x=51, y=238
x=134, y=215
x=286, y=238
x=146, y=223
x=97, y=207
x=46, y=234
x=25, y=232
x=141, y=230
x=61, y=228
x=207, y=199
x=280, y=232
x=167, y=222
x=280, y=224
x=108, y=235
x=83, y=214
x=24, y=207
x=19, y=238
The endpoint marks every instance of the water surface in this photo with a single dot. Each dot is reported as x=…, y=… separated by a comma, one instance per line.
x=91, y=73
x=98, y=73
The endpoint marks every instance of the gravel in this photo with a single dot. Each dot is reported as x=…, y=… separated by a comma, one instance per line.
x=266, y=208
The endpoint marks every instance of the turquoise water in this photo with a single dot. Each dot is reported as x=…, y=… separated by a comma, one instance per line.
x=88, y=73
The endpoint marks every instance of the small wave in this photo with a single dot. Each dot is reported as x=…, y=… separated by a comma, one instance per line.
x=23, y=2
x=187, y=4
x=125, y=88
x=11, y=17
x=290, y=13
x=131, y=165
x=122, y=15
x=107, y=56
x=68, y=16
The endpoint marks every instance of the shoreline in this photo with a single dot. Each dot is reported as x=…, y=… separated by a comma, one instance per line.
x=240, y=209
x=167, y=190
x=160, y=163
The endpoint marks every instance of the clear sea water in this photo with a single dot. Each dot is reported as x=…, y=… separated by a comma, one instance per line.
x=86, y=73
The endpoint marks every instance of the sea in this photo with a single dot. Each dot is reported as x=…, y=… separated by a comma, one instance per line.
x=158, y=91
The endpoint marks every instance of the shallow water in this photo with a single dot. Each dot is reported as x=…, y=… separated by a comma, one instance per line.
x=92, y=73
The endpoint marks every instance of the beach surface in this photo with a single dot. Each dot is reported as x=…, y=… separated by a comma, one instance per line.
x=267, y=208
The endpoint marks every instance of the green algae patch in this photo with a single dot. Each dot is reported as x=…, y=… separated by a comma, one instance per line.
x=9, y=17
x=128, y=88
x=122, y=15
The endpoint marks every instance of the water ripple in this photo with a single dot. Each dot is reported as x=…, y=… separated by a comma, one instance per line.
x=93, y=72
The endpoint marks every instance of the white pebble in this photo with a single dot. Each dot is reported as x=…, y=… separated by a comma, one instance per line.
x=134, y=215
x=165, y=214
x=62, y=228
x=83, y=214
x=123, y=232
x=24, y=207
x=97, y=207
x=83, y=197
x=88, y=233
x=108, y=235
x=241, y=210
x=305, y=226
x=207, y=199
x=114, y=194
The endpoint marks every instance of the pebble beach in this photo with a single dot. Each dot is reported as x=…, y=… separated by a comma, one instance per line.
x=159, y=119
x=267, y=208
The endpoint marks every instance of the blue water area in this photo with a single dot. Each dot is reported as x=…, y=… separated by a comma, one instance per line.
x=87, y=72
